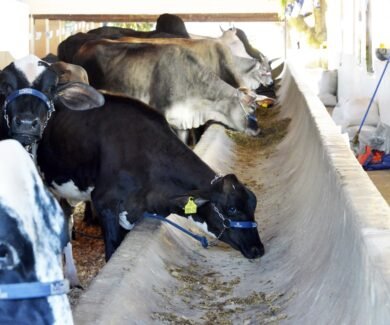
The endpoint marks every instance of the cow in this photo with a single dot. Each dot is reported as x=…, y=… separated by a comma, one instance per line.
x=69, y=47
x=124, y=157
x=239, y=44
x=171, y=79
x=236, y=71
x=213, y=55
x=32, y=233
x=167, y=25
x=236, y=40
x=63, y=74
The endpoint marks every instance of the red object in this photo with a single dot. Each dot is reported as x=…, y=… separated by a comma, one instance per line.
x=370, y=156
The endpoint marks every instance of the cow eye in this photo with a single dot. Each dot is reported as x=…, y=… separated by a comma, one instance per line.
x=232, y=210
x=8, y=257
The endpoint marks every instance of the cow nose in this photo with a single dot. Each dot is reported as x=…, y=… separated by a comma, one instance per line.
x=257, y=251
x=26, y=124
x=252, y=126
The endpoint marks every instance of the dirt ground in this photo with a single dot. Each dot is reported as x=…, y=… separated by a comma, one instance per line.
x=88, y=251
x=89, y=247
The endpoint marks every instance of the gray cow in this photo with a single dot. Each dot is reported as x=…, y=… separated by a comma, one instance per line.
x=169, y=78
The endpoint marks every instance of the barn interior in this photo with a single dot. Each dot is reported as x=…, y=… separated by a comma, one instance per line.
x=322, y=216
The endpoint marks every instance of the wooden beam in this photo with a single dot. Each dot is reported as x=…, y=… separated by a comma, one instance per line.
x=196, y=17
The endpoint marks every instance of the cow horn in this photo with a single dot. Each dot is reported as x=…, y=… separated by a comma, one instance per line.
x=273, y=60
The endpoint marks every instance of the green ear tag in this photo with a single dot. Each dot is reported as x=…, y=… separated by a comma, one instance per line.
x=190, y=207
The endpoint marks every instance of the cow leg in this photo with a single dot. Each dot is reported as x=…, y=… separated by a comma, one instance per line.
x=107, y=209
x=109, y=200
x=183, y=135
x=68, y=211
x=70, y=271
x=90, y=217
x=111, y=231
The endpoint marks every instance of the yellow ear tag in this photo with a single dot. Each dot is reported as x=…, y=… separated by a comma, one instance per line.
x=190, y=207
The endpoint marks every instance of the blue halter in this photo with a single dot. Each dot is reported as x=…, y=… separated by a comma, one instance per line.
x=28, y=91
x=32, y=92
x=203, y=240
x=30, y=290
x=226, y=222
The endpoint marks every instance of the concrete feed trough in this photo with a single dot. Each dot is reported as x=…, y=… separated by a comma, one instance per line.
x=325, y=227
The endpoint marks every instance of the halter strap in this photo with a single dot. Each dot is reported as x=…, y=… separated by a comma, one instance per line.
x=228, y=223
x=32, y=92
x=201, y=239
x=30, y=290
x=249, y=116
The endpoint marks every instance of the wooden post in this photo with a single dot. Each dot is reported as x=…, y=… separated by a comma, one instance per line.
x=40, y=37
x=55, y=33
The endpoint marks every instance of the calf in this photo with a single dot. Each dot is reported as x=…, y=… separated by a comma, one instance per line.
x=126, y=159
x=32, y=234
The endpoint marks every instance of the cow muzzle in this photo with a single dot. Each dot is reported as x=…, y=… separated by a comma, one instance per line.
x=246, y=241
x=25, y=130
x=253, y=252
x=252, y=125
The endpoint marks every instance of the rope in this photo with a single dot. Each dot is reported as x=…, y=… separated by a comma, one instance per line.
x=201, y=239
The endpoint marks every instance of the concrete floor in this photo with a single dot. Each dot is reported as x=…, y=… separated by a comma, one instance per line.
x=325, y=227
x=381, y=179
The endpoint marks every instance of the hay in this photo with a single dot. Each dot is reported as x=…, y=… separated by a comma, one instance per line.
x=210, y=298
x=273, y=130
x=88, y=253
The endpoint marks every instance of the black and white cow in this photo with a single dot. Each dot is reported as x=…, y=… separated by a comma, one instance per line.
x=124, y=157
x=32, y=234
x=27, y=128
x=171, y=79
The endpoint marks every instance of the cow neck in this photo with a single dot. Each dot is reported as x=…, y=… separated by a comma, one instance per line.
x=196, y=172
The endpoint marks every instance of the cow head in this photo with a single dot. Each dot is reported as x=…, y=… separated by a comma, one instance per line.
x=227, y=211
x=29, y=93
x=243, y=112
x=256, y=64
x=32, y=233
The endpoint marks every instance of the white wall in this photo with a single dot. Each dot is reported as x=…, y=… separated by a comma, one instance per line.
x=345, y=30
x=267, y=37
x=14, y=29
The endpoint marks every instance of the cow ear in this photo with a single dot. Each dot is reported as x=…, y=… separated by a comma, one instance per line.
x=226, y=182
x=68, y=72
x=248, y=98
x=78, y=96
x=5, y=87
